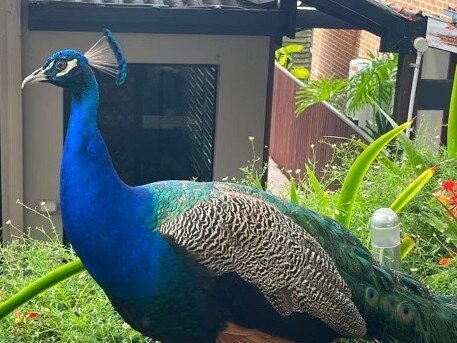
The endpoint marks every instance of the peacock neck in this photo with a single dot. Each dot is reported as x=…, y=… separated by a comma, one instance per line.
x=88, y=177
x=84, y=107
x=82, y=125
x=96, y=204
x=84, y=145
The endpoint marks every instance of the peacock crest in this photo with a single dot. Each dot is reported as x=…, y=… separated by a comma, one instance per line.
x=106, y=55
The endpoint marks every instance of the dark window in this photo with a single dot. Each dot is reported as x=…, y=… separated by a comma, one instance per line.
x=160, y=124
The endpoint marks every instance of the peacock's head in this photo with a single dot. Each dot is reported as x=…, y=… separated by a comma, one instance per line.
x=65, y=69
x=69, y=68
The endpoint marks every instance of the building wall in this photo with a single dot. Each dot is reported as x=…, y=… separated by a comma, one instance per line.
x=241, y=107
x=10, y=117
x=435, y=66
x=304, y=38
x=368, y=43
x=333, y=49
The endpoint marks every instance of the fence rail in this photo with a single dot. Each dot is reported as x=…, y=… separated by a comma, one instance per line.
x=291, y=138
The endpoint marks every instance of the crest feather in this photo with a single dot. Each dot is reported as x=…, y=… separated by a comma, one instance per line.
x=106, y=55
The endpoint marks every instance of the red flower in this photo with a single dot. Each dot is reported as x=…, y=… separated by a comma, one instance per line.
x=449, y=185
x=449, y=196
x=32, y=315
x=444, y=262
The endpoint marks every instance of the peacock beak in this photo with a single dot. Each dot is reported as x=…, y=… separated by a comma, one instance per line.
x=37, y=76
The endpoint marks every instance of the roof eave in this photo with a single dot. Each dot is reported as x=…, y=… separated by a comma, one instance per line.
x=397, y=33
x=67, y=16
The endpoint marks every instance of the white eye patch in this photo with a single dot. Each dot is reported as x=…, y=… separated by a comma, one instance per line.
x=70, y=65
x=50, y=65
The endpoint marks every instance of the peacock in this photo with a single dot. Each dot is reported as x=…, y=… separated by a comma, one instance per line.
x=190, y=262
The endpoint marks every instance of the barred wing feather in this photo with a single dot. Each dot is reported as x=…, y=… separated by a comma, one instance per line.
x=242, y=233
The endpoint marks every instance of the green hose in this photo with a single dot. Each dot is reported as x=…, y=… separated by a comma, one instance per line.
x=40, y=285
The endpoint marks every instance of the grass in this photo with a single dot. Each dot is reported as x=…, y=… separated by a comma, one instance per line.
x=75, y=311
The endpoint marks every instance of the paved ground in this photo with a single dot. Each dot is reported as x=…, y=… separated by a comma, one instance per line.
x=277, y=181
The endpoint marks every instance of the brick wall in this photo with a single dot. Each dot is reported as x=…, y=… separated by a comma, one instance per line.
x=368, y=42
x=333, y=49
x=304, y=38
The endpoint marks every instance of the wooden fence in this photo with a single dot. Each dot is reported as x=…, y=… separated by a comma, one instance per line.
x=291, y=138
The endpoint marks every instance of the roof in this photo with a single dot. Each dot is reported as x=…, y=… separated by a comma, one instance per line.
x=230, y=17
x=397, y=27
x=172, y=3
x=397, y=31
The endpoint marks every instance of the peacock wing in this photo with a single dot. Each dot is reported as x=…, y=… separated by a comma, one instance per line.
x=231, y=231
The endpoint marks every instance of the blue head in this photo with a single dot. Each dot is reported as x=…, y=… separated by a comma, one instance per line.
x=71, y=69
x=66, y=69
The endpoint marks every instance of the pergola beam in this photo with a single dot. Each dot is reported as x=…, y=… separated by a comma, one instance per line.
x=397, y=32
x=311, y=18
x=71, y=16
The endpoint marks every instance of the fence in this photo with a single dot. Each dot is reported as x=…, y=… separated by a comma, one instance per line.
x=291, y=138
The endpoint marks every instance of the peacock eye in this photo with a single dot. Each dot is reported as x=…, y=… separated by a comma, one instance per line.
x=60, y=65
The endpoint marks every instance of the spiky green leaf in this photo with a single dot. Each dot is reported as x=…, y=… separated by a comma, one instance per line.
x=452, y=121
x=407, y=245
x=414, y=157
x=316, y=185
x=383, y=159
x=293, y=194
x=357, y=172
x=412, y=189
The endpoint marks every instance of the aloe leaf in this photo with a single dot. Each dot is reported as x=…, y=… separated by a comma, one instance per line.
x=406, y=246
x=452, y=121
x=412, y=189
x=414, y=157
x=357, y=172
x=316, y=185
x=382, y=157
x=293, y=195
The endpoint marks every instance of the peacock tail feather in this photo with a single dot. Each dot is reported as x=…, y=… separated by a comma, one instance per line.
x=394, y=305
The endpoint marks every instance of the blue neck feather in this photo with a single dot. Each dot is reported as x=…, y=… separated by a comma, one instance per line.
x=84, y=108
x=105, y=220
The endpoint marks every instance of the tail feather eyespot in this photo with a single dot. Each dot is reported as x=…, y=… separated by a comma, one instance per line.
x=405, y=312
x=371, y=296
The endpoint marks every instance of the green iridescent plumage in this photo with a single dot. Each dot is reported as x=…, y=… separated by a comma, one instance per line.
x=395, y=306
